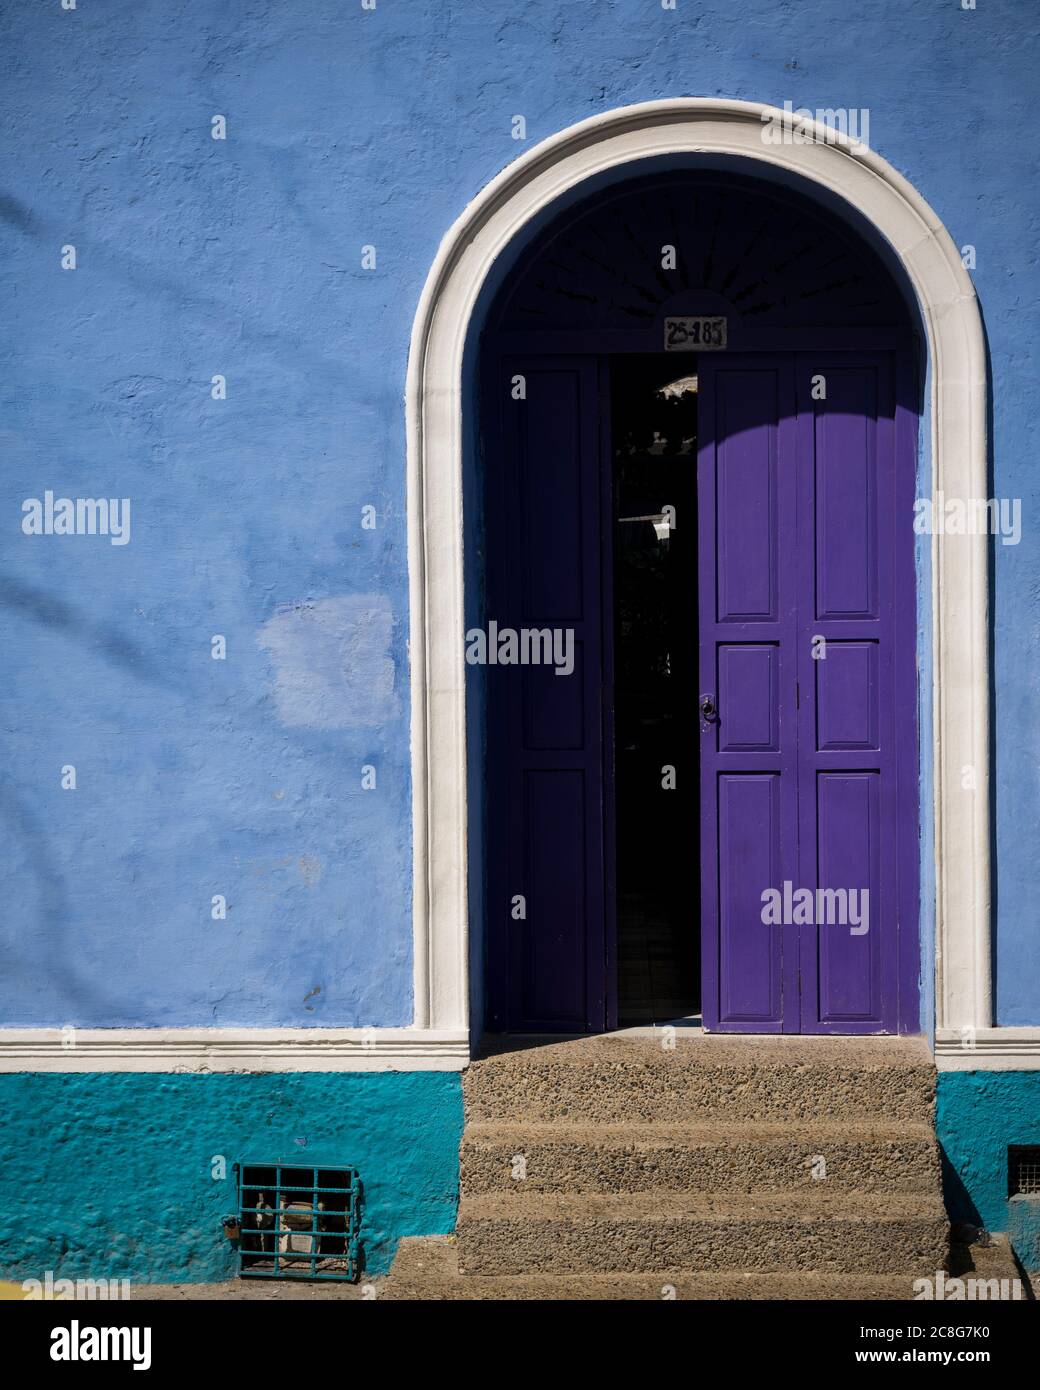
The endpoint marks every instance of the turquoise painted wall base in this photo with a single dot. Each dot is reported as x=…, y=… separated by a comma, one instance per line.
x=112, y=1175
x=978, y=1114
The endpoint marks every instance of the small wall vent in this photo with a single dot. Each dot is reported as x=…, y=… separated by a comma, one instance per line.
x=298, y=1223
x=1024, y=1170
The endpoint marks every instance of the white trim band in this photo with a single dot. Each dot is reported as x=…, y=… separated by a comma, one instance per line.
x=232, y=1049
x=364, y=1049
x=988, y=1049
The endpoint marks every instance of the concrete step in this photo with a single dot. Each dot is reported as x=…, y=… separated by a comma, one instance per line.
x=877, y=1156
x=427, y=1268
x=822, y=1232
x=638, y=1078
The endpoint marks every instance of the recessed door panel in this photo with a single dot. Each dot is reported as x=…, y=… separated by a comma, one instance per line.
x=750, y=808
x=549, y=952
x=845, y=492
x=747, y=499
x=847, y=695
x=851, y=926
x=749, y=689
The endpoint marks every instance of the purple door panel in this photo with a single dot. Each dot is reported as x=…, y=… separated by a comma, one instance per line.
x=748, y=663
x=808, y=758
x=857, y=788
x=546, y=809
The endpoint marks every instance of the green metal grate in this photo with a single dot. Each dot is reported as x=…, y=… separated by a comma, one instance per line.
x=1024, y=1170
x=298, y=1223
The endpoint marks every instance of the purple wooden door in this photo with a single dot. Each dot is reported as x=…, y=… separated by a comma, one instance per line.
x=545, y=529
x=808, y=745
x=747, y=501
x=857, y=724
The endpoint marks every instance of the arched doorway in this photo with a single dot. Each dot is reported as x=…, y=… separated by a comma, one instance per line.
x=952, y=645
x=698, y=443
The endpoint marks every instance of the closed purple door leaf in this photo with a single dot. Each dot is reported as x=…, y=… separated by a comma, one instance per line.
x=808, y=774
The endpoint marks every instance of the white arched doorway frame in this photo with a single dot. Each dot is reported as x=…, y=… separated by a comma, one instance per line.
x=959, y=599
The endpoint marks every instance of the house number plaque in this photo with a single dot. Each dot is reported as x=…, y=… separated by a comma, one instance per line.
x=699, y=333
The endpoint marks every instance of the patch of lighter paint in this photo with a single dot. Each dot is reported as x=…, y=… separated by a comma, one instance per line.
x=332, y=660
x=310, y=868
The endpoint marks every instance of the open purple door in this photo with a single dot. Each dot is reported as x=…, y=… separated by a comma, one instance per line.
x=548, y=902
x=808, y=719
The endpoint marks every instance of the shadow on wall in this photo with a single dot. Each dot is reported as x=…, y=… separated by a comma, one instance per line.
x=173, y=743
x=22, y=824
x=959, y=1204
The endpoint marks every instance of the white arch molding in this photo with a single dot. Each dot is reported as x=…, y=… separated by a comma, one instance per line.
x=960, y=600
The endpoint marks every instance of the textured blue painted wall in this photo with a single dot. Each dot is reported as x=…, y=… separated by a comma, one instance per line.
x=242, y=257
x=110, y=1176
x=978, y=1114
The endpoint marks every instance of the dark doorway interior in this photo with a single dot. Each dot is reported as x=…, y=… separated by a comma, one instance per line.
x=654, y=434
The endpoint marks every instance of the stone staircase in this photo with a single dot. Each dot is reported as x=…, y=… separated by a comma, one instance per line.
x=620, y=1167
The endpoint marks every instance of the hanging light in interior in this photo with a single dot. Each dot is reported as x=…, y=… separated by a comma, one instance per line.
x=675, y=390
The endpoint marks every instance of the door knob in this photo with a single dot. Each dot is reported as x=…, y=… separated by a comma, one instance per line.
x=708, y=709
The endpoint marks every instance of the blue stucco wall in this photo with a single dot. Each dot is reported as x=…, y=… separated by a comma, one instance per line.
x=242, y=257
x=110, y=1176
x=978, y=1115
